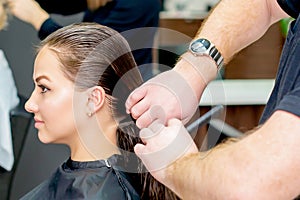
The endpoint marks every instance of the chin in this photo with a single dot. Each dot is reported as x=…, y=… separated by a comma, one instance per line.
x=43, y=139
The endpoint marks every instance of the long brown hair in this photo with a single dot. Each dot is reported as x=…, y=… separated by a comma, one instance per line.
x=94, y=55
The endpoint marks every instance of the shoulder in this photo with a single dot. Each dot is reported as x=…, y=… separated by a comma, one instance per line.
x=98, y=183
x=39, y=192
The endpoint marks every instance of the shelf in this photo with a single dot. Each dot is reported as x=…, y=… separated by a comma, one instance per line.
x=237, y=92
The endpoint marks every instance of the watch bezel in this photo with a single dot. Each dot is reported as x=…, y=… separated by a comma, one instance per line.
x=203, y=48
x=208, y=50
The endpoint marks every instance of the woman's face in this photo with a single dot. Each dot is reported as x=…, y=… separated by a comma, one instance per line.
x=52, y=100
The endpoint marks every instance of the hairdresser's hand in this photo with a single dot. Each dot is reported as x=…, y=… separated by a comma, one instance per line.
x=96, y=4
x=28, y=11
x=163, y=145
x=168, y=90
x=176, y=91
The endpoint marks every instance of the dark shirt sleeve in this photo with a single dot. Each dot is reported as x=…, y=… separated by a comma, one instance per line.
x=124, y=15
x=291, y=101
x=48, y=27
x=291, y=7
x=63, y=7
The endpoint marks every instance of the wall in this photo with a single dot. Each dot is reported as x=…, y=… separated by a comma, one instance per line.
x=259, y=60
x=38, y=160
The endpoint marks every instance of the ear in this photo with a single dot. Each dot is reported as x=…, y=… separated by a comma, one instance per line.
x=96, y=99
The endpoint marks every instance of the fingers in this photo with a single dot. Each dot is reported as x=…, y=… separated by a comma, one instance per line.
x=157, y=126
x=139, y=149
x=154, y=113
x=147, y=133
x=136, y=96
x=168, y=90
x=174, y=122
x=141, y=107
x=164, y=145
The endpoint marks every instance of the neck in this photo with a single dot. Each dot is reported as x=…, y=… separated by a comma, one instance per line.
x=83, y=153
x=96, y=142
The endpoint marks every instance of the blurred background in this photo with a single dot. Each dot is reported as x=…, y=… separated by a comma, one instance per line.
x=18, y=42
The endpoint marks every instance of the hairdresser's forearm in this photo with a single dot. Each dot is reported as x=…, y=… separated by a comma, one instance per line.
x=231, y=26
x=37, y=23
x=234, y=24
x=264, y=165
x=35, y=15
x=29, y=11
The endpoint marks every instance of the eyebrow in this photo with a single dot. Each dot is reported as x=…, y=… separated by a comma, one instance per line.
x=41, y=77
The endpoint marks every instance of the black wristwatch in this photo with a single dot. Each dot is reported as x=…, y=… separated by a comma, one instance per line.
x=200, y=47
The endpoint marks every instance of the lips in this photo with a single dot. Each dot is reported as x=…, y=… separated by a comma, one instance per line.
x=38, y=123
x=37, y=120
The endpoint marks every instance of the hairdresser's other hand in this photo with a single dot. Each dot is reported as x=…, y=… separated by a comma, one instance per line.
x=170, y=91
x=28, y=11
x=95, y=4
x=163, y=145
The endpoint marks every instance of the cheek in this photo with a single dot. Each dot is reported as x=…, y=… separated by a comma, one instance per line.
x=80, y=109
x=58, y=115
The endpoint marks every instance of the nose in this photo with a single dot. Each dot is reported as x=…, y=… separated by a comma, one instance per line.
x=31, y=106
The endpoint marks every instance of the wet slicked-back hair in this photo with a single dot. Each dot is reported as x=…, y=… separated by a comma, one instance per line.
x=94, y=55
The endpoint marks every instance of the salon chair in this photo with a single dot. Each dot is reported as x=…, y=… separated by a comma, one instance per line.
x=20, y=123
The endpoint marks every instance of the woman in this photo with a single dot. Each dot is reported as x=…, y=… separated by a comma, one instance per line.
x=79, y=100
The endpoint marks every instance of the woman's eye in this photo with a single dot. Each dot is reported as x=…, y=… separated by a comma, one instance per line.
x=43, y=88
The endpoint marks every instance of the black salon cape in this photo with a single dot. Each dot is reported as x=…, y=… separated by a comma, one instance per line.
x=86, y=180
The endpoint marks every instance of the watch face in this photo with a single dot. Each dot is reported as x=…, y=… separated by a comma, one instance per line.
x=200, y=45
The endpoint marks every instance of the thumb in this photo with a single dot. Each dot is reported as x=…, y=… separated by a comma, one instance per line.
x=174, y=122
x=139, y=149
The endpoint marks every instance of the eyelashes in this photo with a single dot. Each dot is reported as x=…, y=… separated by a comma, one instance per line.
x=43, y=88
